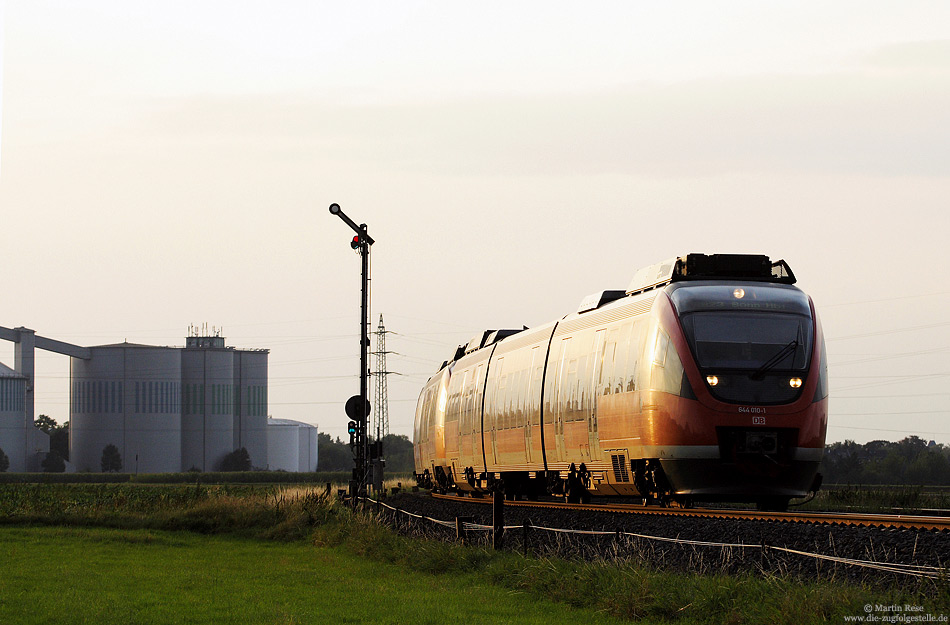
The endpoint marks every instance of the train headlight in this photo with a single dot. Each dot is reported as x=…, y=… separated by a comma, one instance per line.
x=738, y=293
x=795, y=382
x=712, y=380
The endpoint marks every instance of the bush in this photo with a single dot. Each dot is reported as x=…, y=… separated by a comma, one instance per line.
x=239, y=477
x=237, y=460
x=111, y=459
x=53, y=463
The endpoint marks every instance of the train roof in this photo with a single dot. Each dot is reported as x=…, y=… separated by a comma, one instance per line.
x=750, y=267
x=692, y=267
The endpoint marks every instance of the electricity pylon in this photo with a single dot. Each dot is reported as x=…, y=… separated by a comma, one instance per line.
x=382, y=401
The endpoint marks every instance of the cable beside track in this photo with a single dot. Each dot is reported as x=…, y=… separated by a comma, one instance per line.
x=901, y=521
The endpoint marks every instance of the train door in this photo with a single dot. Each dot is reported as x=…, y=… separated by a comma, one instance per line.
x=454, y=421
x=421, y=448
x=478, y=441
x=561, y=398
x=533, y=381
x=494, y=412
x=467, y=422
x=595, y=383
x=439, y=424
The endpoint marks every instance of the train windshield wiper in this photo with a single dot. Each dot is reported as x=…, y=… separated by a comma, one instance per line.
x=772, y=362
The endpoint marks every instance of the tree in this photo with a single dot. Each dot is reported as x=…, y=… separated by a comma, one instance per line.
x=4, y=462
x=59, y=440
x=45, y=423
x=397, y=449
x=58, y=434
x=111, y=459
x=909, y=461
x=53, y=463
x=333, y=455
x=237, y=460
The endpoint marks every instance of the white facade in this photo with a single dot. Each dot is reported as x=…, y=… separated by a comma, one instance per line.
x=250, y=409
x=291, y=446
x=207, y=423
x=13, y=429
x=129, y=396
x=168, y=409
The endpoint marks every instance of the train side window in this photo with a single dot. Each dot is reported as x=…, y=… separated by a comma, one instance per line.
x=510, y=388
x=495, y=399
x=424, y=417
x=477, y=394
x=499, y=403
x=633, y=358
x=659, y=348
x=465, y=410
x=451, y=413
x=821, y=390
x=610, y=357
x=622, y=364
x=430, y=410
x=668, y=376
x=513, y=391
x=533, y=408
x=513, y=400
x=522, y=396
x=555, y=393
x=517, y=395
x=583, y=378
x=570, y=387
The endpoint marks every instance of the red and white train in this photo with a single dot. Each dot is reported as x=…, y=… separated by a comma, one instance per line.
x=705, y=380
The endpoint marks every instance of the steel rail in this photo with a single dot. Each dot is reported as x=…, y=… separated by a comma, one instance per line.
x=902, y=521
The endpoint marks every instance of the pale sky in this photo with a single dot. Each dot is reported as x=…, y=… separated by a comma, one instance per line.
x=172, y=163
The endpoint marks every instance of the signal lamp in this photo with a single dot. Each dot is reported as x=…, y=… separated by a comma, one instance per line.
x=351, y=427
x=712, y=380
x=738, y=293
x=355, y=243
x=795, y=382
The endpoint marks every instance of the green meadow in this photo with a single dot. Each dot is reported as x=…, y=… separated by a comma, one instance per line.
x=132, y=553
x=95, y=575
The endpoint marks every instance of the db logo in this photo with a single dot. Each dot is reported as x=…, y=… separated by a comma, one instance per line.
x=758, y=420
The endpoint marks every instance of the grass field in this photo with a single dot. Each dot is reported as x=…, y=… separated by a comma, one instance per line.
x=127, y=553
x=94, y=575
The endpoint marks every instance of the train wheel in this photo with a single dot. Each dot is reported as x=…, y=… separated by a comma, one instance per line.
x=572, y=493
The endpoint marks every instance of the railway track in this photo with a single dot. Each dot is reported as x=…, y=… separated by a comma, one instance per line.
x=901, y=521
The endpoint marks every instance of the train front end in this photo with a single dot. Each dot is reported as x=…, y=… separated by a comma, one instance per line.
x=748, y=422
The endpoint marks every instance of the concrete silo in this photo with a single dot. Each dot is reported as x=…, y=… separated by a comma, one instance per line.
x=250, y=405
x=291, y=446
x=13, y=430
x=208, y=403
x=307, y=457
x=129, y=396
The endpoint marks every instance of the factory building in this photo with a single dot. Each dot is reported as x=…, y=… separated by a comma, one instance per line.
x=24, y=446
x=127, y=395
x=250, y=404
x=13, y=433
x=224, y=395
x=166, y=409
x=169, y=409
x=291, y=446
x=207, y=420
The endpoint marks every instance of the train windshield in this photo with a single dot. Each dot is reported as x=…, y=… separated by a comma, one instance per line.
x=756, y=327
x=749, y=340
